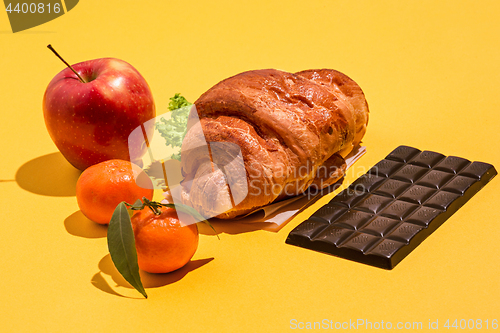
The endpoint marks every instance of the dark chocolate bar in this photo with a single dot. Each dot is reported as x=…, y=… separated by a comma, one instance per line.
x=387, y=212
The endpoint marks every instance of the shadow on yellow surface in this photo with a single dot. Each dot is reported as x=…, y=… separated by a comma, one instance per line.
x=230, y=227
x=48, y=175
x=256, y=222
x=78, y=224
x=108, y=269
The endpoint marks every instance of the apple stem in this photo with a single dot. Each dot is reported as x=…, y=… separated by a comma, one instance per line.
x=57, y=54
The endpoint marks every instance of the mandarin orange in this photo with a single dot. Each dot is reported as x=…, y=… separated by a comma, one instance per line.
x=164, y=244
x=101, y=187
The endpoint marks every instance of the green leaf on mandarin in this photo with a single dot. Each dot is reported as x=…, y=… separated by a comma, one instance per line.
x=121, y=245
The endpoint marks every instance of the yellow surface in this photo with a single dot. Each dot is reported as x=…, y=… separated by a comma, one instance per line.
x=430, y=71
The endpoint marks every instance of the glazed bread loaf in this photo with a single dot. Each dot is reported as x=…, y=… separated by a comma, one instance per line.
x=291, y=130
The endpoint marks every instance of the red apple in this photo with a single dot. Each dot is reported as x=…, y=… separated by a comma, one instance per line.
x=90, y=121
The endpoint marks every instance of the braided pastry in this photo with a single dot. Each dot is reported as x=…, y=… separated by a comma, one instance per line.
x=290, y=132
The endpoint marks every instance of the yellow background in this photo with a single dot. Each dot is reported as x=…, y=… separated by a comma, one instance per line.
x=430, y=71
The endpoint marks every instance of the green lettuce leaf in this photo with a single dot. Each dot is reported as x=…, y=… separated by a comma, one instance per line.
x=174, y=129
